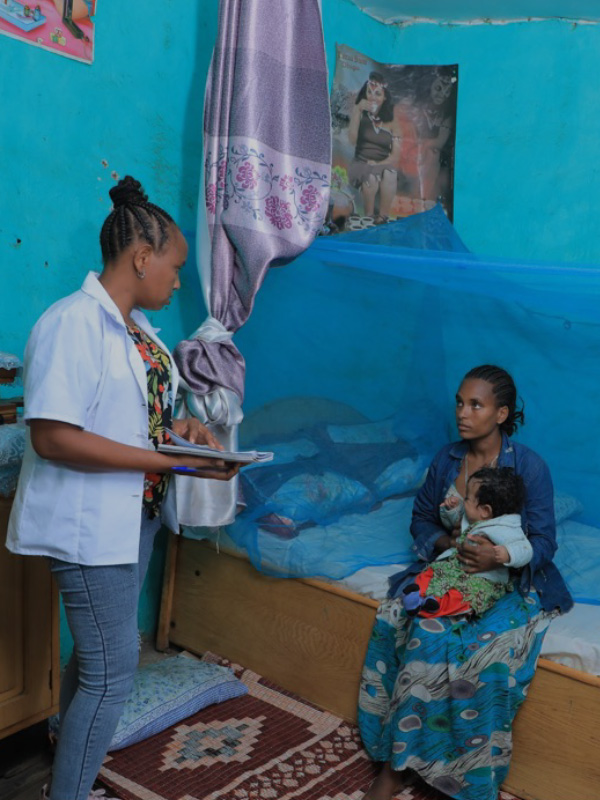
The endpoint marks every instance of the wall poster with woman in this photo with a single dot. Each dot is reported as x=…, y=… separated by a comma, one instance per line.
x=393, y=140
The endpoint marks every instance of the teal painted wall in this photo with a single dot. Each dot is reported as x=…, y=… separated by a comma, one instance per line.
x=527, y=165
x=66, y=126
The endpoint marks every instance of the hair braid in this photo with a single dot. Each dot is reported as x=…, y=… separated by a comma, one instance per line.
x=133, y=217
x=505, y=392
x=143, y=222
x=121, y=230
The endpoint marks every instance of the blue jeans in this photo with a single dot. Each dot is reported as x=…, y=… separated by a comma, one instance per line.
x=101, y=605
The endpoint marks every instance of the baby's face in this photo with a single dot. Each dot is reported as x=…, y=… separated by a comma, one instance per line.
x=473, y=511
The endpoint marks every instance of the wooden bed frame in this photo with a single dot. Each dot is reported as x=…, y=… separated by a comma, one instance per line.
x=310, y=638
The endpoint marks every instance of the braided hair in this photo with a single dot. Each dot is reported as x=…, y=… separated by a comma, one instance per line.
x=132, y=218
x=505, y=392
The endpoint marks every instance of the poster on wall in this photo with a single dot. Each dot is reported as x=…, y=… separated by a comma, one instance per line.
x=64, y=26
x=393, y=140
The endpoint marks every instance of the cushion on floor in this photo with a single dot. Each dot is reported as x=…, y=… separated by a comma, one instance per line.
x=168, y=691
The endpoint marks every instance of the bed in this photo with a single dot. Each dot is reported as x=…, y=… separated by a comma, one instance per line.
x=223, y=589
x=310, y=637
x=353, y=357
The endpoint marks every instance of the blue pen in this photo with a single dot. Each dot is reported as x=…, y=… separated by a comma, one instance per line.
x=184, y=470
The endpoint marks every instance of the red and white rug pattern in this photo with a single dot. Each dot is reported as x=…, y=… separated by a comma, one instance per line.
x=267, y=745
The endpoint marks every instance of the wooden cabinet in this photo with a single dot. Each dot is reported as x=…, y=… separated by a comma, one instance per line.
x=29, y=639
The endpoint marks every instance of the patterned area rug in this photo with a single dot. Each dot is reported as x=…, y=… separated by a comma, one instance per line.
x=267, y=745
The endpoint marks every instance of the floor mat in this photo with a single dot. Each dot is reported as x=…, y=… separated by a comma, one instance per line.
x=267, y=745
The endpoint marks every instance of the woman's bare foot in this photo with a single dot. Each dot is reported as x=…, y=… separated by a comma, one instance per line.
x=386, y=784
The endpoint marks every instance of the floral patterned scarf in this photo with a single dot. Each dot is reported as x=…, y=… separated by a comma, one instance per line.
x=158, y=374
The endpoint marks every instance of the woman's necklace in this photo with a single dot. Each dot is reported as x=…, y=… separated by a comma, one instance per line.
x=491, y=464
x=375, y=122
x=434, y=118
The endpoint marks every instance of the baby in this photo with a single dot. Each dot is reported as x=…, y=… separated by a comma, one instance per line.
x=492, y=505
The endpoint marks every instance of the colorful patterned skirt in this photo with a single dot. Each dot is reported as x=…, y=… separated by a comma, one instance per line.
x=439, y=696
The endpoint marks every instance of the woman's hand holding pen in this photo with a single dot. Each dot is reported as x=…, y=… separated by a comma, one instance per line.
x=195, y=432
x=69, y=444
x=212, y=468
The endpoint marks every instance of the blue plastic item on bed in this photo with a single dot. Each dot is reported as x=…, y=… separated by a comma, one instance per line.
x=381, y=325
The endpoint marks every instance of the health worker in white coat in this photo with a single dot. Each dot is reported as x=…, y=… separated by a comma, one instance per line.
x=99, y=389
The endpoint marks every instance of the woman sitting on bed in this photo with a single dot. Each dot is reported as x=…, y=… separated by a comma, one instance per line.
x=438, y=696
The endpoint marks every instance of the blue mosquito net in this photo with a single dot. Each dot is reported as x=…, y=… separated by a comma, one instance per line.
x=354, y=354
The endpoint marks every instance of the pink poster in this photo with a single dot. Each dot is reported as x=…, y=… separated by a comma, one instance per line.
x=64, y=26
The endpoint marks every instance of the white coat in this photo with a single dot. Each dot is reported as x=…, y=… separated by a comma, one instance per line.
x=82, y=367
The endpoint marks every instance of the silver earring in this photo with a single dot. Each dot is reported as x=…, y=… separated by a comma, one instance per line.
x=141, y=274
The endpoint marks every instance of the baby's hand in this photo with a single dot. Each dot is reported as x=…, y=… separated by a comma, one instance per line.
x=501, y=554
x=450, y=502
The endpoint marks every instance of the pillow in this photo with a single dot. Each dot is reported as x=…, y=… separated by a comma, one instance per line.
x=168, y=691
x=401, y=477
x=565, y=507
x=365, y=433
x=319, y=498
x=8, y=479
x=286, y=452
x=574, y=558
x=12, y=444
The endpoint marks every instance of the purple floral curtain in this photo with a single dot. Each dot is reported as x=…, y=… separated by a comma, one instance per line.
x=267, y=156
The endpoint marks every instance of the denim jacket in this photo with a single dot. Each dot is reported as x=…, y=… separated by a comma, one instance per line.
x=537, y=519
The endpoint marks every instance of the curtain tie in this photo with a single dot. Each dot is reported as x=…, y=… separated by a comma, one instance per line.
x=212, y=330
